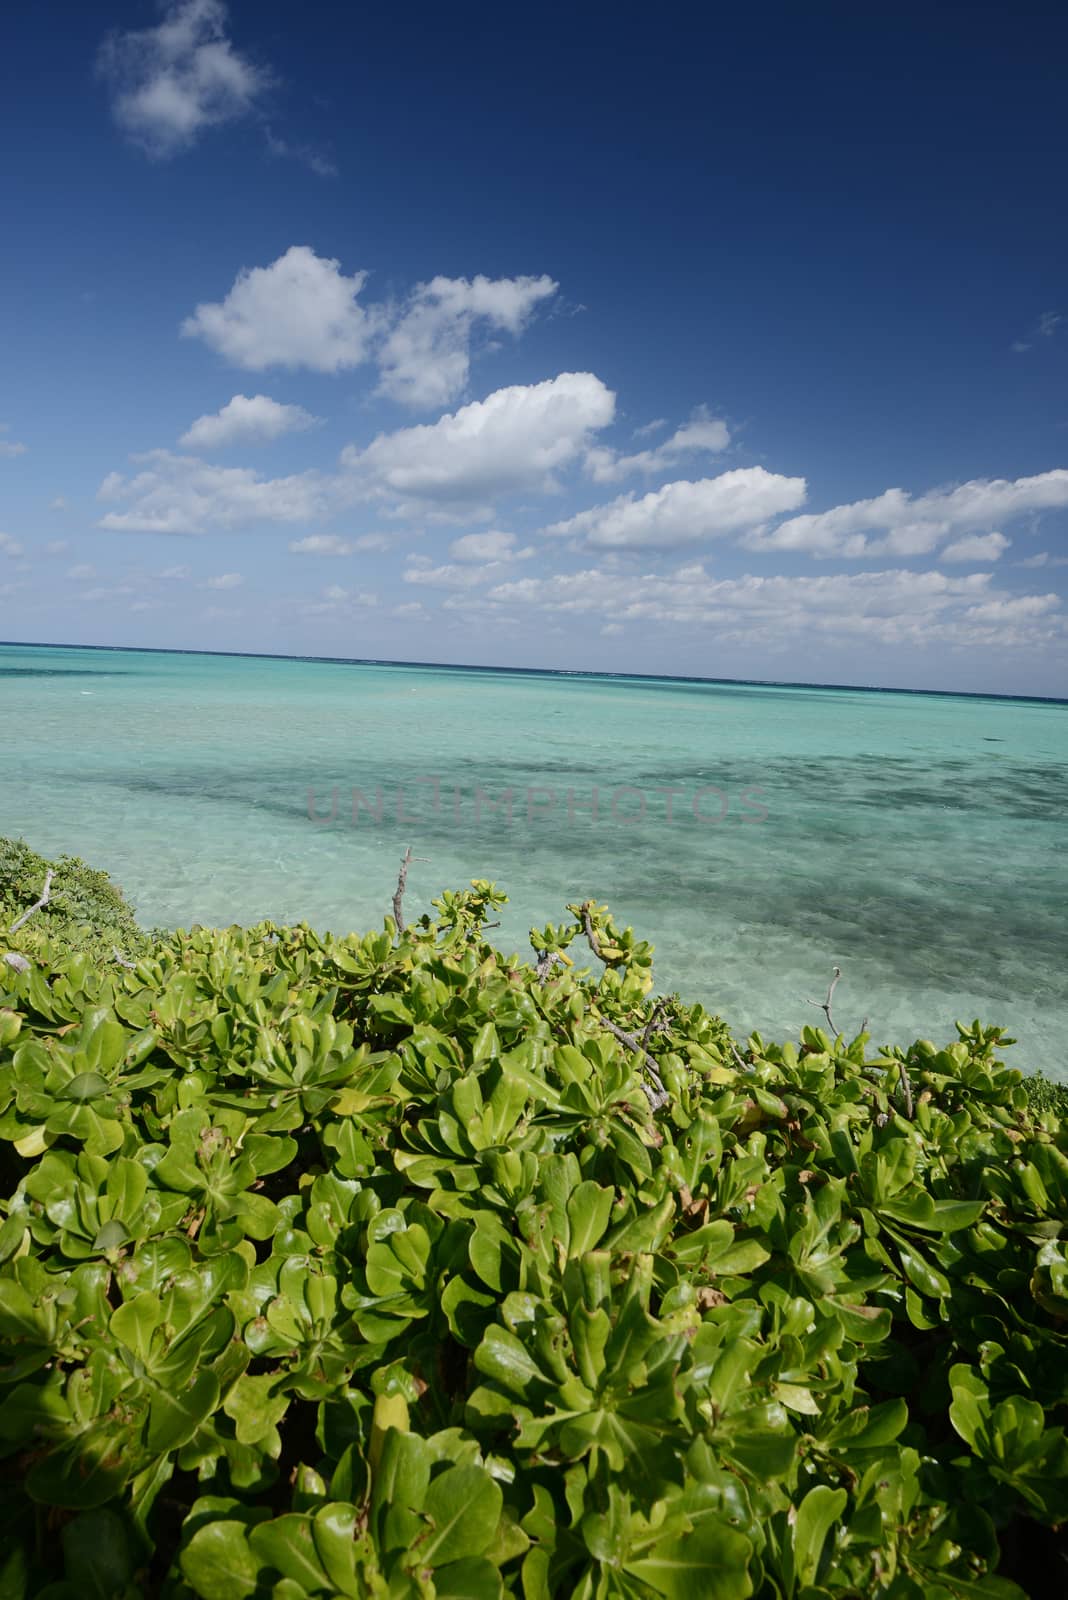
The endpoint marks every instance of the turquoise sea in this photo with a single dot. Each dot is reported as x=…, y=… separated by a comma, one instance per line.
x=918, y=841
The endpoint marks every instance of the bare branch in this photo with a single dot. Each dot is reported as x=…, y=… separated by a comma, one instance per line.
x=587, y=923
x=402, y=882
x=656, y=1023
x=546, y=962
x=655, y=1092
x=826, y=1007
x=131, y=966
x=38, y=904
x=906, y=1088
x=736, y=1053
x=16, y=962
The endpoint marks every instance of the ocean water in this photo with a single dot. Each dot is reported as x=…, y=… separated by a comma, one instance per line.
x=919, y=842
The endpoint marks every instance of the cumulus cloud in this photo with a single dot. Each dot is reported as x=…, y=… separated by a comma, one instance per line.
x=57, y=547
x=169, y=83
x=701, y=434
x=492, y=546
x=685, y=512
x=896, y=523
x=892, y=607
x=976, y=547
x=81, y=573
x=336, y=600
x=516, y=439
x=10, y=547
x=174, y=574
x=1044, y=559
x=182, y=494
x=225, y=580
x=426, y=356
x=453, y=575
x=329, y=544
x=322, y=544
x=301, y=311
x=246, y=419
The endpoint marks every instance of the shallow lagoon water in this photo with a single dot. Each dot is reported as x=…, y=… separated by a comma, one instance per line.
x=920, y=842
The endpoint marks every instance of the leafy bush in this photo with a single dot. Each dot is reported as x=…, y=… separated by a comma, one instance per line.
x=85, y=910
x=363, y=1266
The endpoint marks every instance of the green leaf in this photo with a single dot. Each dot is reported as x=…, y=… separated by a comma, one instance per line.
x=816, y=1515
x=218, y=1563
x=711, y=1562
x=463, y=1507
x=97, y=1554
x=286, y=1543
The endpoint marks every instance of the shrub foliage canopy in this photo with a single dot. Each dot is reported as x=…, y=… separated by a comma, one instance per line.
x=363, y=1266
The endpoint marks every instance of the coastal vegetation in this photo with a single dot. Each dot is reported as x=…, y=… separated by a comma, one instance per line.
x=393, y=1265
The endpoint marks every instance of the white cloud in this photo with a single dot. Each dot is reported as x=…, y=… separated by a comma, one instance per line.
x=453, y=575
x=649, y=428
x=1045, y=328
x=976, y=547
x=10, y=448
x=492, y=546
x=57, y=547
x=413, y=609
x=322, y=544
x=426, y=357
x=1017, y=608
x=246, y=419
x=911, y=526
x=181, y=494
x=893, y=607
x=169, y=83
x=81, y=573
x=10, y=547
x=372, y=541
x=701, y=434
x=225, y=580
x=516, y=439
x=1043, y=559
x=174, y=574
x=685, y=512
x=319, y=163
x=58, y=504
x=336, y=599
x=301, y=311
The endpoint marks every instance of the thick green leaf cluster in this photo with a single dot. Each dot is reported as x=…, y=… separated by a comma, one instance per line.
x=85, y=911
x=363, y=1267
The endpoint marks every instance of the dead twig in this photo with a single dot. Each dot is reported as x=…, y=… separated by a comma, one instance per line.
x=587, y=923
x=546, y=962
x=37, y=905
x=131, y=966
x=402, y=883
x=906, y=1088
x=655, y=1092
x=737, y=1054
x=656, y=1023
x=826, y=1006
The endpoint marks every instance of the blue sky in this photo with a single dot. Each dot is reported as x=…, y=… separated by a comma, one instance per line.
x=666, y=340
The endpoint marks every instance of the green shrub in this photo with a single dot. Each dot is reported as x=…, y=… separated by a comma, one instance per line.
x=85, y=910
x=363, y=1266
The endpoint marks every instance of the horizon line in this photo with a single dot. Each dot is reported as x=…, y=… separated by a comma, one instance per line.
x=540, y=672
